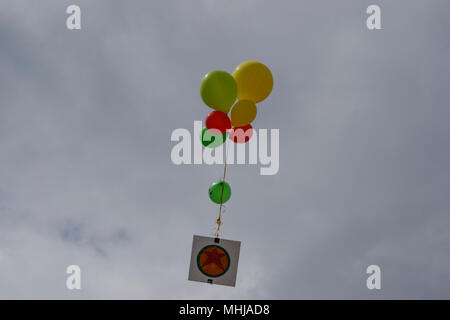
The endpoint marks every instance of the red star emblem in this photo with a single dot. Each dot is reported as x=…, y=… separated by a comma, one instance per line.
x=213, y=261
x=214, y=257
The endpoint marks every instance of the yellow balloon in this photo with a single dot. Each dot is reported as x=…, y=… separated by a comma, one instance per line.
x=254, y=81
x=243, y=113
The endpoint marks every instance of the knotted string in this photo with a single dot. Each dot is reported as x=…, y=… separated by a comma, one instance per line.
x=219, y=219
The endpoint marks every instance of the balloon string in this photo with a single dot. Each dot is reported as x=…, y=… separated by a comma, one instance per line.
x=219, y=219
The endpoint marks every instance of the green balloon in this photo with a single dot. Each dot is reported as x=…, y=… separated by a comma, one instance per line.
x=219, y=190
x=218, y=90
x=212, y=140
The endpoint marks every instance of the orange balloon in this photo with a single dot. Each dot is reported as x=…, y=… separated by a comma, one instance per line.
x=243, y=113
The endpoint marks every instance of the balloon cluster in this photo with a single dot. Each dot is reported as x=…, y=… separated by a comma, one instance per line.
x=251, y=82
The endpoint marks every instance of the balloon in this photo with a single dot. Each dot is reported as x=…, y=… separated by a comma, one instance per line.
x=241, y=134
x=218, y=120
x=243, y=113
x=219, y=192
x=254, y=81
x=218, y=90
x=212, y=138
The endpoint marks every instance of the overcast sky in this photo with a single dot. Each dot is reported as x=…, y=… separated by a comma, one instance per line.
x=86, y=176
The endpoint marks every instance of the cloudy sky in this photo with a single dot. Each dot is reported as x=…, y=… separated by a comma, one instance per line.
x=86, y=176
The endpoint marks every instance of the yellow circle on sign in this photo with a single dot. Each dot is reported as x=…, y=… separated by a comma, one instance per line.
x=213, y=261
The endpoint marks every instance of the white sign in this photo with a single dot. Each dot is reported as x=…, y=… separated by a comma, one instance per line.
x=214, y=260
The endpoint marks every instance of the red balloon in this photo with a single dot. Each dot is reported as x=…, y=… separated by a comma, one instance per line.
x=241, y=134
x=218, y=120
